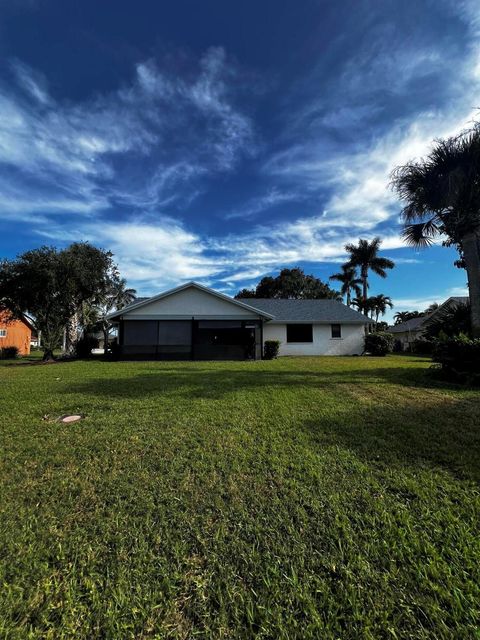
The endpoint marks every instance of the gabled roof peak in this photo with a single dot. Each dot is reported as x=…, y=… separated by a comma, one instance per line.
x=187, y=285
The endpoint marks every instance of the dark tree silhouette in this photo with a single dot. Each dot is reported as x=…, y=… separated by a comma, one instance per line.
x=293, y=284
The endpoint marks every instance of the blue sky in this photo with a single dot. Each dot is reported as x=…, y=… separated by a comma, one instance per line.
x=219, y=141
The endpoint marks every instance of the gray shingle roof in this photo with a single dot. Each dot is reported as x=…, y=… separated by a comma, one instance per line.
x=415, y=324
x=409, y=325
x=327, y=311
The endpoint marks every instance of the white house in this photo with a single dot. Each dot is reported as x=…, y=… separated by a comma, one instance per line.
x=193, y=322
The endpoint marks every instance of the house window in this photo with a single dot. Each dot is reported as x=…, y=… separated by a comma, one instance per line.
x=336, y=330
x=3, y=333
x=299, y=333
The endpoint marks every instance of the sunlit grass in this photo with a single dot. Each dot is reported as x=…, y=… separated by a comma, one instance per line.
x=299, y=498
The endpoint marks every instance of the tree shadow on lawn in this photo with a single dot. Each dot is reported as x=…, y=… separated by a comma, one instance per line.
x=414, y=423
x=217, y=383
x=435, y=434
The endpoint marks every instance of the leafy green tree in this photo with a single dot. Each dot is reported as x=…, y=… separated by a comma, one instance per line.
x=49, y=286
x=246, y=293
x=269, y=287
x=90, y=269
x=293, y=284
x=350, y=282
x=441, y=195
x=365, y=257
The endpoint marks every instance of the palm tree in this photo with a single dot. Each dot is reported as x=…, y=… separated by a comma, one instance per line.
x=364, y=306
x=379, y=305
x=442, y=194
x=450, y=320
x=349, y=280
x=116, y=297
x=403, y=316
x=365, y=256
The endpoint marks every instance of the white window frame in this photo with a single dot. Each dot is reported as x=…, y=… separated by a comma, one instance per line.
x=3, y=333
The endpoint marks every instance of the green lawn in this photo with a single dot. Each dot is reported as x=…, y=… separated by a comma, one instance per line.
x=301, y=498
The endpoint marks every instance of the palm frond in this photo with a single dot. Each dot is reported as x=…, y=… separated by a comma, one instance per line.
x=420, y=234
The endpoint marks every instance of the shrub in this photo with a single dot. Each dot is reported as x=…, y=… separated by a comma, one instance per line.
x=84, y=346
x=271, y=348
x=459, y=358
x=422, y=346
x=8, y=353
x=379, y=344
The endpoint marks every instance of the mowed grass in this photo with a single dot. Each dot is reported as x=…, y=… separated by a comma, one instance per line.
x=300, y=498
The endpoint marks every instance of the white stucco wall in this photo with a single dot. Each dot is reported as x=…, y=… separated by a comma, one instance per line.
x=351, y=342
x=190, y=302
x=407, y=337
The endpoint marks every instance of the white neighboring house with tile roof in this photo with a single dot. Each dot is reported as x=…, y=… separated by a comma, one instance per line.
x=193, y=322
x=410, y=330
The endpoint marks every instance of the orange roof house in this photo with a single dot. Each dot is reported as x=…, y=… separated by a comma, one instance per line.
x=15, y=333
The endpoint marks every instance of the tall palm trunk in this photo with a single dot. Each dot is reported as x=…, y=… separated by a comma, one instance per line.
x=471, y=253
x=365, y=289
x=348, y=297
x=106, y=334
x=72, y=333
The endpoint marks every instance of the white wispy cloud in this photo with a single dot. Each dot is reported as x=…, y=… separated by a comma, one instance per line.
x=273, y=197
x=86, y=154
x=149, y=145
x=32, y=82
x=242, y=276
x=154, y=255
x=151, y=256
x=359, y=182
x=353, y=164
x=421, y=303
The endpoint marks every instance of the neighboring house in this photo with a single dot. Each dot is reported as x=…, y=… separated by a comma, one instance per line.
x=198, y=323
x=15, y=333
x=407, y=332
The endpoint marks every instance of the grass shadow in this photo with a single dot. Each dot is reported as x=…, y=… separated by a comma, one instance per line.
x=413, y=422
x=439, y=434
x=217, y=383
